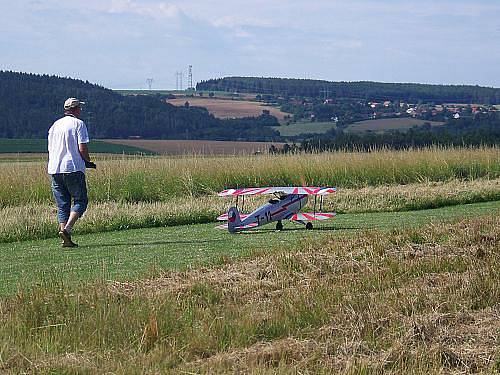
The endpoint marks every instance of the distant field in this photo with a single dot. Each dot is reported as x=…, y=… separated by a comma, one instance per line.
x=225, y=108
x=304, y=127
x=176, y=147
x=389, y=124
x=13, y=146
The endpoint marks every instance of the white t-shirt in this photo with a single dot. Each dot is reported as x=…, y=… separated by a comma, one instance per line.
x=64, y=137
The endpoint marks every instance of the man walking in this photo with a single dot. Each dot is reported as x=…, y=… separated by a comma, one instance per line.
x=68, y=156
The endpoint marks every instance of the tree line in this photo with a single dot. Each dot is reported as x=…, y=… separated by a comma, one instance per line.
x=363, y=90
x=30, y=103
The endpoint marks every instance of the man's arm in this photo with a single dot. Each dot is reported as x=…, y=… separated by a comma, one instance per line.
x=84, y=151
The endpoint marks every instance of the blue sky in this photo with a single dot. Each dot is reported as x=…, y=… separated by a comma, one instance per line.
x=121, y=43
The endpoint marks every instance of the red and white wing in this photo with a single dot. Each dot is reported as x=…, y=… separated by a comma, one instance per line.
x=223, y=217
x=303, y=190
x=312, y=216
x=244, y=191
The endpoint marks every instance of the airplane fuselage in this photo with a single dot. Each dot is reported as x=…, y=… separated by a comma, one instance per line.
x=277, y=209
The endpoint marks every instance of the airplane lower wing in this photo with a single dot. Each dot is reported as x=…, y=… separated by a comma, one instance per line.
x=312, y=216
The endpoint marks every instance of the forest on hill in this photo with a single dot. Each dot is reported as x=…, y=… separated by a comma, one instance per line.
x=408, y=92
x=30, y=103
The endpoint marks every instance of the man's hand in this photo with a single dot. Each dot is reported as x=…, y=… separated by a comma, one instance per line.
x=89, y=164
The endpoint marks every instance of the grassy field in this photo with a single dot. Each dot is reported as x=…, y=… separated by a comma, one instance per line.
x=297, y=128
x=406, y=278
x=380, y=125
x=13, y=146
x=201, y=148
x=224, y=108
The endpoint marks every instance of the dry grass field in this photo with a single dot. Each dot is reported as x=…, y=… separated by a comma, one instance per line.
x=389, y=124
x=225, y=108
x=177, y=147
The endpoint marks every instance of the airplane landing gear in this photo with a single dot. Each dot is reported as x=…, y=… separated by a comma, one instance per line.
x=309, y=226
x=279, y=225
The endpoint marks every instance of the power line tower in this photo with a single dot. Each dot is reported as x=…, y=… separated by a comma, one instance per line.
x=178, y=80
x=326, y=93
x=190, y=78
x=149, y=81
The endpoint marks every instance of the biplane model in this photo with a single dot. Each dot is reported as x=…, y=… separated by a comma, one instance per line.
x=284, y=205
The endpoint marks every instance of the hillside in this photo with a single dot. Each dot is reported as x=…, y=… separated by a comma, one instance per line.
x=29, y=104
x=410, y=92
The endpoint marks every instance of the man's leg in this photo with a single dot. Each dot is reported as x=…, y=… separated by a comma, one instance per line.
x=78, y=189
x=63, y=201
x=73, y=217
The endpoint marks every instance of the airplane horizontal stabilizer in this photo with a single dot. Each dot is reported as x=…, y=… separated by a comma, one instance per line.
x=241, y=227
x=312, y=216
x=224, y=217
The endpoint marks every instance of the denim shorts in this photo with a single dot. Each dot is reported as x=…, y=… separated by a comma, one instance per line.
x=67, y=186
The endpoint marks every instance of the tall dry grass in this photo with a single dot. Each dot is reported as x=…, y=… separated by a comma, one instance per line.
x=160, y=178
x=420, y=300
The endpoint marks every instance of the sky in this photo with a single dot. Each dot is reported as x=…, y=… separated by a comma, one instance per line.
x=119, y=44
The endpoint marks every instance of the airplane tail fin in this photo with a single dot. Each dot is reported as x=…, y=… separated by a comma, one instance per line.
x=233, y=219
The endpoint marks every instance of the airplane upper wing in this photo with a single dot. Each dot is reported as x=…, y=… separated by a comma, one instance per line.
x=302, y=190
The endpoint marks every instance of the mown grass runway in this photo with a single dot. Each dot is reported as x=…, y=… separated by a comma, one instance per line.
x=132, y=254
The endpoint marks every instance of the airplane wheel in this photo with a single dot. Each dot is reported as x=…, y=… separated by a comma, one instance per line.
x=309, y=226
x=279, y=225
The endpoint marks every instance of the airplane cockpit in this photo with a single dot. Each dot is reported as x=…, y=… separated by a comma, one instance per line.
x=277, y=198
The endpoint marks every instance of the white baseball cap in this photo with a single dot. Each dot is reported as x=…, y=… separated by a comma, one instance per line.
x=71, y=103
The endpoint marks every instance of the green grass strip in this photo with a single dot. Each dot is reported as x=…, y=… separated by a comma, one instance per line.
x=132, y=254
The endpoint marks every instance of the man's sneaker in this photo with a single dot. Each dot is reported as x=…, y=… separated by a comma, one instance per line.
x=66, y=237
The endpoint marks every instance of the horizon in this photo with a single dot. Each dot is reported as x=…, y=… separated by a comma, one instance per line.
x=185, y=90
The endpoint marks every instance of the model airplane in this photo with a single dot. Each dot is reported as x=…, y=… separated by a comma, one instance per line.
x=285, y=205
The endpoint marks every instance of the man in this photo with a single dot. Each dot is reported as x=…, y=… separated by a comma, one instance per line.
x=68, y=157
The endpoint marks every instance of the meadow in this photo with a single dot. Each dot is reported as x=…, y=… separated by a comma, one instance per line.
x=384, y=124
x=404, y=280
x=158, y=179
x=304, y=127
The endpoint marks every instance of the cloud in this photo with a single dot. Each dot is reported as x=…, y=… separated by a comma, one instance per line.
x=156, y=10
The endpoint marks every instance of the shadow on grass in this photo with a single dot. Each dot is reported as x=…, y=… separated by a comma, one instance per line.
x=149, y=243
x=301, y=229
